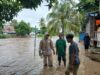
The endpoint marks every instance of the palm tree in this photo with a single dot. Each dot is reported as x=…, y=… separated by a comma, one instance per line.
x=57, y=17
x=63, y=17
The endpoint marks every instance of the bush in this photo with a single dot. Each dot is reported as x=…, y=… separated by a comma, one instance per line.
x=2, y=36
x=40, y=35
x=23, y=29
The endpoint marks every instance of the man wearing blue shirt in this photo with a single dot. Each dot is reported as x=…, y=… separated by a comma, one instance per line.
x=73, y=56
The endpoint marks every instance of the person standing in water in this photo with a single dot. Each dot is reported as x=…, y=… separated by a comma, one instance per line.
x=61, y=49
x=74, y=60
x=46, y=48
x=86, y=42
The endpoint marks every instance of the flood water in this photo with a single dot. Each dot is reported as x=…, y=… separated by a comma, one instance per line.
x=17, y=55
x=17, y=58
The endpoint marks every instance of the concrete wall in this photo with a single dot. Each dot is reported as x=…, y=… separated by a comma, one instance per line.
x=88, y=27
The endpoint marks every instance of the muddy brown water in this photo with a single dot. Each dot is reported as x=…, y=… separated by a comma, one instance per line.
x=17, y=58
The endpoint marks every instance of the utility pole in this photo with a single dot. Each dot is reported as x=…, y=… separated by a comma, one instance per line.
x=35, y=42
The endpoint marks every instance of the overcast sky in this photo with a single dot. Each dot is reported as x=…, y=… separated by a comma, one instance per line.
x=33, y=16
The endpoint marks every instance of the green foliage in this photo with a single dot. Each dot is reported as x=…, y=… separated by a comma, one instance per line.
x=34, y=3
x=10, y=8
x=43, y=30
x=34, y=29
x=42, y=25
x=3, y=36
x=63, y=17
x=1, y=27
x=23, y=29
x=86, y=6
x=40, y=35
x=1, y=30
x=42, y=22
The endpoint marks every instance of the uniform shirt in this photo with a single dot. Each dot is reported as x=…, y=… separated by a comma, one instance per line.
x=46, y=46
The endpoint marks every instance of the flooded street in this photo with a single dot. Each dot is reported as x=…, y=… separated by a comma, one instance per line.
x=17, y=58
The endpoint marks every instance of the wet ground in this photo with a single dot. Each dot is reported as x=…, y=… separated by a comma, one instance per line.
x=17, y=58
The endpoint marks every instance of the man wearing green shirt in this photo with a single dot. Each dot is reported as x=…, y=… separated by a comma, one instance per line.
x=61, y=49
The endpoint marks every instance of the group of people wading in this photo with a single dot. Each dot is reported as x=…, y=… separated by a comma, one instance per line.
x=47, y=50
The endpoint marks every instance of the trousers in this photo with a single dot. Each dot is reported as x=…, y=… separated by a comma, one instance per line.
x=48, y=60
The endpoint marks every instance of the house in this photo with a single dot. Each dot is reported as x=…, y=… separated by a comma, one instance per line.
x=8, y=29
x=93, y=26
